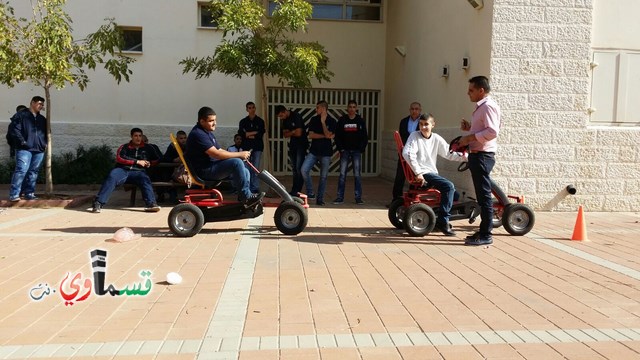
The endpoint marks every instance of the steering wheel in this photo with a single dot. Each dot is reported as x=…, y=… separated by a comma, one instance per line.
x=454, y=146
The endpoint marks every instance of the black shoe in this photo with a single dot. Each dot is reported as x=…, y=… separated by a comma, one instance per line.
x=473, y=236
x=445, y=228
x=311, y=196
x=479, y=241
x=320, y=203
x=97, y=207
x=359, y=202
x=152, y=208
x=254, y=199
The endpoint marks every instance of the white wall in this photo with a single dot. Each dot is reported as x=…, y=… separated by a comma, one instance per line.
x=615, y=24
x=158, y=98
x=435, y=33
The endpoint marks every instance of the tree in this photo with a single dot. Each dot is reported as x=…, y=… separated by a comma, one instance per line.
x=256, y=45
x=42, y=50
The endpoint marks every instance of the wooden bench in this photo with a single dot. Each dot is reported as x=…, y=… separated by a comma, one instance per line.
x=155, y=184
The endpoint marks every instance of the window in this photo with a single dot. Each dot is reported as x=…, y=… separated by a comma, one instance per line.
x=349, y=10
x=614, y=98
x=132, y=39
x=205, y=16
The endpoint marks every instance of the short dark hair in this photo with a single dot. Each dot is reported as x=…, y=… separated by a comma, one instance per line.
x=323, y=103
x=427, y=117
x=135, y=130
x=37, y=98
x=204, y=112
x=249, y=103
x=481, y=82
x=20, y=108
x=280, y=108
x=181, y=132
x=352, y=102
x=236, y=135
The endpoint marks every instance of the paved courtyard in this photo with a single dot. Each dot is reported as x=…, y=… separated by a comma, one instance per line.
x=349, y=287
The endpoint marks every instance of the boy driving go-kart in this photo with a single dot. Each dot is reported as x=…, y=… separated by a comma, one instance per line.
x=416, y=210
x=420, y=153
x=207, y=164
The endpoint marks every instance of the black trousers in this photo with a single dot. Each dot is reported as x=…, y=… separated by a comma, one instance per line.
x=398, y=183
x=480, y=165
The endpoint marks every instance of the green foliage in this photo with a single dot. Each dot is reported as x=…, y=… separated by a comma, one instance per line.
x=86, y=166
x=42, y=49
x=263, y=46
x=6, y=168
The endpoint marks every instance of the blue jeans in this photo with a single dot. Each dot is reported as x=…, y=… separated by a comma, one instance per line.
x=254, y=183
x=307, y=165
x=221, y=169
x=356, y=158
x=296, y=158
x=26, y=173
x=447, y=190
x=119, y=176
x=480, y=165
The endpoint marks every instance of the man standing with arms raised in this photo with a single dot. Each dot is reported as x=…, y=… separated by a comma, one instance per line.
x=482, y=140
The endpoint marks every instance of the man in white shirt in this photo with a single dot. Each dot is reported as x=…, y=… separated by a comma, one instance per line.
x=421, y=152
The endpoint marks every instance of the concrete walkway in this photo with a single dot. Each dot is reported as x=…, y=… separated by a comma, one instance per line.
x=349, y=287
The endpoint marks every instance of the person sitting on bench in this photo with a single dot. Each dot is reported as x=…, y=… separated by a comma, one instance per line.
x=421, y=152
x=210, y=162
x=132, y=161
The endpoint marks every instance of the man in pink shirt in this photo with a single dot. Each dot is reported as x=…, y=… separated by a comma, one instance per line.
x=482, y=141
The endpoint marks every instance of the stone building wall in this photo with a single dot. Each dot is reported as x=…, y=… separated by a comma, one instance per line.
x=540, y=72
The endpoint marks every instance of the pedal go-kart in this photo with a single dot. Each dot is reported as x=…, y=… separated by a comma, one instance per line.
x=207, y=204
x=416, y=210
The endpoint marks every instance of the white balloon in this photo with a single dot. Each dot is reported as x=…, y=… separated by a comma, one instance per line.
x=174, y=278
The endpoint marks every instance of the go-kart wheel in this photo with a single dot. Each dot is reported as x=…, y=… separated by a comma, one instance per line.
x=497, y=218
x=396, y=213
x=296, y=199
x=185, y=220
x=518, y=219
x=419, y=220
x=290, y=218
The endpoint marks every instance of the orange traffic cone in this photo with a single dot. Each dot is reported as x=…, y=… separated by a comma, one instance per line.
x=580, y=229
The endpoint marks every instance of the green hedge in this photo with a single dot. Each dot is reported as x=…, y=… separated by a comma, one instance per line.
x=86, y=166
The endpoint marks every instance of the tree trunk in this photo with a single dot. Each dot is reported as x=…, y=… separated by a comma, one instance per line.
x=47, y=157
x=265, y=116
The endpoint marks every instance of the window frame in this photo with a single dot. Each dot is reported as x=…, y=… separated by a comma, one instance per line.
x=345, y=5
x=130, y=50
x=201, y=7
x=621, y=87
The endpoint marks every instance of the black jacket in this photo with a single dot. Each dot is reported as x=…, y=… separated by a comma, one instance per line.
x=128, y=155
x=351, y=134
x=28, y=131
x=404, y=133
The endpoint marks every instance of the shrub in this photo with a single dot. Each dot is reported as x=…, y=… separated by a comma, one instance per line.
x=87, y=166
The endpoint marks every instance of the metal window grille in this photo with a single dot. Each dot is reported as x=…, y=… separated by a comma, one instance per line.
x=303, y=101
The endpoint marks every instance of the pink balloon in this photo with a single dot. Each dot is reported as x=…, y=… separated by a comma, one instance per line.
x=123, y=235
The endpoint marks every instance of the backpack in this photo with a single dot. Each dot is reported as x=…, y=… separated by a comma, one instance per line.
x=181, y=176
x=9, y=131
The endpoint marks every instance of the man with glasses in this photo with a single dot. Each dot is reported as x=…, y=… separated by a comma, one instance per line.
x=29, y=136
x=407, y=126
